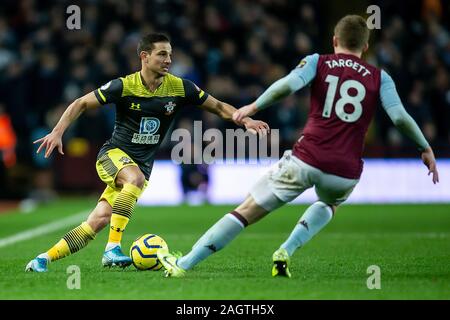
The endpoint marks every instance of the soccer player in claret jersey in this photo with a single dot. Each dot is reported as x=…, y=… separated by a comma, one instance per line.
x=345, y=90
x=147, y=102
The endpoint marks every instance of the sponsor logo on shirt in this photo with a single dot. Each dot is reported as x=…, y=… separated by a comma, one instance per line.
x=147, y=129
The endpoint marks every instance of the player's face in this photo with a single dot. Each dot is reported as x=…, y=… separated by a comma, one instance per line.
x=160, y=58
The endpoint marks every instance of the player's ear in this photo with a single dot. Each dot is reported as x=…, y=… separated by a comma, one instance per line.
x=144, y=56
x=335, y=42
x=366, y=47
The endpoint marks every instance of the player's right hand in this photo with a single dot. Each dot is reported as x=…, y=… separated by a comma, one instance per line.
x=49, y=142
x=429, y=160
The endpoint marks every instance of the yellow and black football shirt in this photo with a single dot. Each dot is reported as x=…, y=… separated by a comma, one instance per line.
x=143, y=117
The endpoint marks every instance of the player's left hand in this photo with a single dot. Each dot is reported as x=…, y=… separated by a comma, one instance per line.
x=429, y=160
x=256, y=126
x=246, y=111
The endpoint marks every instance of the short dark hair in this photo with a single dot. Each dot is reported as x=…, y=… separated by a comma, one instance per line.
x=352, y=32
x=147, y=42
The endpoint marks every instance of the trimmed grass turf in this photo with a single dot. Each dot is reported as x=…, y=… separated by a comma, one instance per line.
x=410, y=244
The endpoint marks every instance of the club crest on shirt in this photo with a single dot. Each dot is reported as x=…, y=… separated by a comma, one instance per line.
x=125, y=160
x=301, y=64
x=170, y=108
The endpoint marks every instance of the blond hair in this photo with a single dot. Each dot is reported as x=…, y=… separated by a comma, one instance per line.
x=352, y=32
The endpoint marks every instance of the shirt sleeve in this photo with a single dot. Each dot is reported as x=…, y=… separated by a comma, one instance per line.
x=306, y=70
x=110, y=92
x=388, y=92
x=298, y=78
x=393, y=106
x=193, y=94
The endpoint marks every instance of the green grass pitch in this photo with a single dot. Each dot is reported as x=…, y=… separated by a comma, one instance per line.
x=409, y=243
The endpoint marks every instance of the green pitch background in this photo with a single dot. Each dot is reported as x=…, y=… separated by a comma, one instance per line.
x=410, y=244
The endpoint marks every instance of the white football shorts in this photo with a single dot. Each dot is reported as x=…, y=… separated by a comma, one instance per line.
x=290, y=177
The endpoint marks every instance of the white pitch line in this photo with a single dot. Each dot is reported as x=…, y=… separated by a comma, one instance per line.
x=44, y=229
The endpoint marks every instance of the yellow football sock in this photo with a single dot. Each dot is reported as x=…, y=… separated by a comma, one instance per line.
x=122, y=211
x=118, y=224
x=73, y=241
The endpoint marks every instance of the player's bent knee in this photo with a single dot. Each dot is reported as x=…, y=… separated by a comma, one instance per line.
x=131, y=175
x=138, y=181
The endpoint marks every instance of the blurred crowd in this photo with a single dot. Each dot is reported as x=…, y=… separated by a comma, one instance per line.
x=231, y=49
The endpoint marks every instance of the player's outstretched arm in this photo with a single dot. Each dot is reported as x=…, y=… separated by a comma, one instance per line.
x=298, y=78
x=226, y=111
x=277, y=91
x=53, y=140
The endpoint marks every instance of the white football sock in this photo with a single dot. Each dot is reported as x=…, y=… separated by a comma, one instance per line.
x=313, y=220
x=111, y=245
x=216, y=238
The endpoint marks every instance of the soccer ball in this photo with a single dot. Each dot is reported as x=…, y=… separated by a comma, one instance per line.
x=143, y=252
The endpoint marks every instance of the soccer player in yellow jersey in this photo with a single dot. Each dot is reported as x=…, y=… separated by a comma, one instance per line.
x=146, y=102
